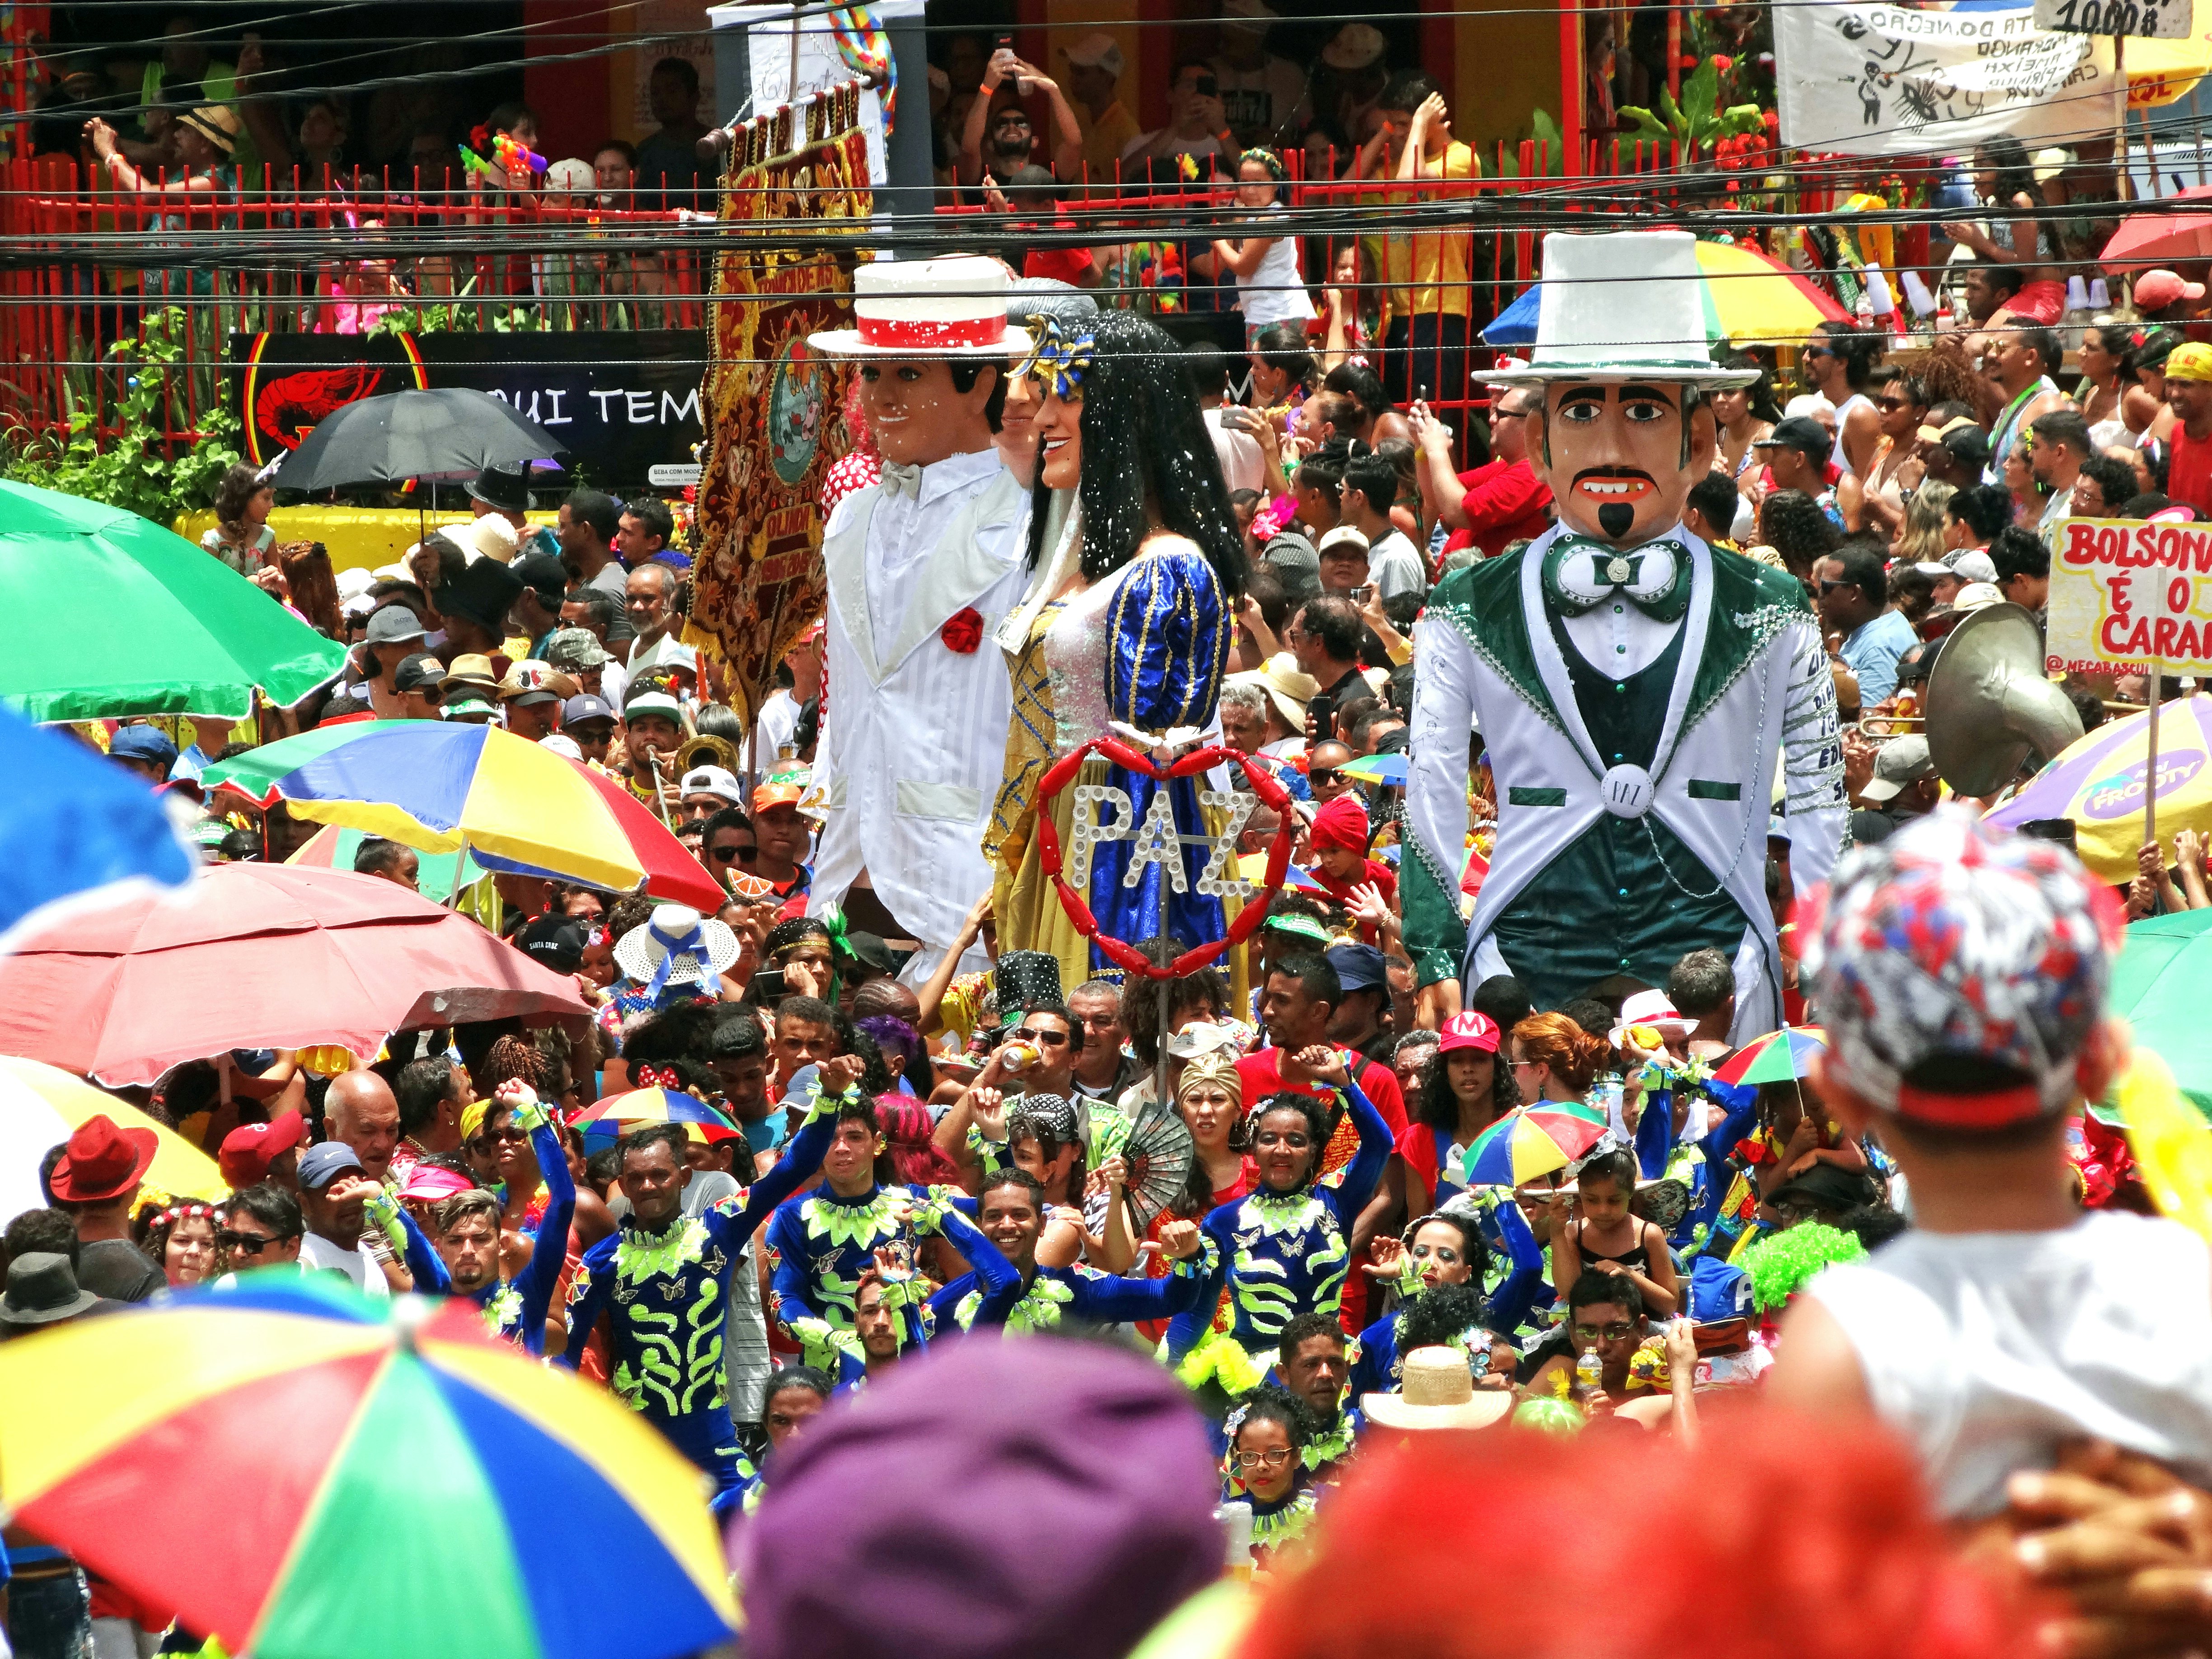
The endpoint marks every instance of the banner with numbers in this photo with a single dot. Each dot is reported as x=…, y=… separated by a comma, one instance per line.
x=1876, y=80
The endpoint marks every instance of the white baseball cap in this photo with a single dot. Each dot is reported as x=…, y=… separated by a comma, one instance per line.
x=714, y=781
x=1099, y=50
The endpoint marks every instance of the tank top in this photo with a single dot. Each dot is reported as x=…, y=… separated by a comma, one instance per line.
x=1842, y=414
x=1986, y=1350
x=1637, y=1258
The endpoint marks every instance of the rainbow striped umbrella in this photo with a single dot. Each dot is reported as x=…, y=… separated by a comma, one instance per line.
x=440, y=788
x=40, y=1105
x=381, y=1478
x=1748, y=298
x=1778, y=1057
x=617, y=1114
x=1530, y=1142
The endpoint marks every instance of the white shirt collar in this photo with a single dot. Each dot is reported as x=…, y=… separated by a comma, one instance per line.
x=941, y=479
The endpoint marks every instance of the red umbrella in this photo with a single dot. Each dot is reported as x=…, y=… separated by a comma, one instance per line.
x=671, y=872
x=260, y=955
x=2162, y=238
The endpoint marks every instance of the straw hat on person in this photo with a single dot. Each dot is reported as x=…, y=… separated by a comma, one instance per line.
x=216, y=122
x=1436, y=1391
x=1288, y=687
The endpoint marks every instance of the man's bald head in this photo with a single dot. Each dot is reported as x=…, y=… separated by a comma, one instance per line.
x=360, y=1110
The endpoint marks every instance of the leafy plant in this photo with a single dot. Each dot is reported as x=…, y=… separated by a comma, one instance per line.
x=137, y=395
x=460, y=315
x=1698, y=121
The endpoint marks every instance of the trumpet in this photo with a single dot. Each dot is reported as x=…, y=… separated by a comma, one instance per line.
x=707, y=749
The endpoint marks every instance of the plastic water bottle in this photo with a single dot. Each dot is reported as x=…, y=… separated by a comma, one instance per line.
x=1236, y=1523
x=1589, y=1372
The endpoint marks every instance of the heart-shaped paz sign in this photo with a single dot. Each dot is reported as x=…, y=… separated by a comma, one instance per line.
x=1159, y=841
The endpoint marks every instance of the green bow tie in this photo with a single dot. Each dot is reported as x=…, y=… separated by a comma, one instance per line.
x=1580, y=573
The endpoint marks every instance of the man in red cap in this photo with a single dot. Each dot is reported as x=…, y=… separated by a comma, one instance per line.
x=96, y=1180
x=1340, y=861
x=254, y=1152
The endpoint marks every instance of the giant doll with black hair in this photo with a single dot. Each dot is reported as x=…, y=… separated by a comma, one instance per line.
x=1634, y=687
x=1126, y=628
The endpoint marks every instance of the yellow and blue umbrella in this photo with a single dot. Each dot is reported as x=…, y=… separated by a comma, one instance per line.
x=381, y=1478
x=1531, y=1141
x=440, y=787
x=42, y=1105
x=2098, y=781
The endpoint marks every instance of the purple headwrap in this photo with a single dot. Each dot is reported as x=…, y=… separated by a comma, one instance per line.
x=995, y=1500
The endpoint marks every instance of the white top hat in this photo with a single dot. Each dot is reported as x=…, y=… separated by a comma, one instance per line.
x=953, y=307
x=1623, y=305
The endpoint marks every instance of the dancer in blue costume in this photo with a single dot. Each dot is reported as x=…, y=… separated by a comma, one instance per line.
x=1125, y=629
x=859, y=1222
x=1009, y=1290
x=465, y=1262
x=1439, y=1252
x=1285, y=1249
x=664, y=1278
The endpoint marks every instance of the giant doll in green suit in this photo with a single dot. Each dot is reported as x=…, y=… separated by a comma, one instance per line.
x=1633, y=686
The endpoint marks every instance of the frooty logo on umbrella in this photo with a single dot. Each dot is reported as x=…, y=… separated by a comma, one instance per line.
x=2121, y=794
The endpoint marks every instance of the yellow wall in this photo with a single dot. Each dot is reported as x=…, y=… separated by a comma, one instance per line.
x=361, y=537
x=1508, y=66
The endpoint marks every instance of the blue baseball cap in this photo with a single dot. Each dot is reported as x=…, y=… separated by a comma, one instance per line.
x=1358, y=967
x=142, y=743
x=321, y=1166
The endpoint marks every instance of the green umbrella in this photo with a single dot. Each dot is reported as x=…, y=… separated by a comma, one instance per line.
x=2158, y=986
x=117, y=616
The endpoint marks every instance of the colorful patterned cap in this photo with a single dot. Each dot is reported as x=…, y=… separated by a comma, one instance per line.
x=1954, y=941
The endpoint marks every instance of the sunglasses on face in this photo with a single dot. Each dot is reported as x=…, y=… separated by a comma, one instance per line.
x=1892, y=404
x=245, y=1244
x=740, y=854
x=1050, y=1039
x=1829, y=587
x=510, y=1132
x=1323, y=776
x=1612, y=1333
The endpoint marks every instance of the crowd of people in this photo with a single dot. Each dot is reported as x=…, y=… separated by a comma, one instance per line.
x=998, y=1052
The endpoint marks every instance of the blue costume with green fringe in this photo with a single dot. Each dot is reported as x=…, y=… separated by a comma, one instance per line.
x=667, y=1294
x=1280, y=1255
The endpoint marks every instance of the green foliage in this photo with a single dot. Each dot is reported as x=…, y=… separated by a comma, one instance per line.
x=461, y=315
x=1698, y=119
x=139, y=396
x=1546, y=131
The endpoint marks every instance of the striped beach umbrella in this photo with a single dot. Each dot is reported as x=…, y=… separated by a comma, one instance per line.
x=374, y=1477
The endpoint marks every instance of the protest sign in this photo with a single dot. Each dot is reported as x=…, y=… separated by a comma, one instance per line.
x=1874, y=80
x=2126, y=593
x=773, y=407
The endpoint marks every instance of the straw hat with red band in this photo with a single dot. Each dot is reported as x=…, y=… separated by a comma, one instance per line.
x=1471, y=1029
x=952, y=307
x=101, y=1161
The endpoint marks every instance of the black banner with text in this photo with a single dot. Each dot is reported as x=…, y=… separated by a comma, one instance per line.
x=623, y=402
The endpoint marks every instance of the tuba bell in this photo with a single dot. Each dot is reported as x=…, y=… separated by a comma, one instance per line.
x=1989, y=704
x=707, y=750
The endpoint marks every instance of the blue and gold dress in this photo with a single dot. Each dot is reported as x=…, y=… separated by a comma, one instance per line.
x=1145, y=647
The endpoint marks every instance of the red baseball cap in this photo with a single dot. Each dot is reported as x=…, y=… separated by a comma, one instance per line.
x=1472, y=1030
x=102, y=1161
x=251, y=1148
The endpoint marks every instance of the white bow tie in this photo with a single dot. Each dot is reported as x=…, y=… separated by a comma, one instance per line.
x=899, y=479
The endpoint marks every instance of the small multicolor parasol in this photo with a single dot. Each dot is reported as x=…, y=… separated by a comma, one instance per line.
x=1781, y=1056
x=1531, y=1141
x=617, y=1116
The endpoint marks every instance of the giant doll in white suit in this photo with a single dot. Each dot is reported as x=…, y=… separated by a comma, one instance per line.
x=1634, y=687
x=922, y=567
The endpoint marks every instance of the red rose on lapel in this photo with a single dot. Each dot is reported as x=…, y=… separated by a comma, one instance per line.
x=962, y=631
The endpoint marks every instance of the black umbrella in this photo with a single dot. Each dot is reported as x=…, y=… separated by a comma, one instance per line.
x=450, y=432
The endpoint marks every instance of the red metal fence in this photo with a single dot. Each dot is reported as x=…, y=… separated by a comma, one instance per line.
x=352, y=254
